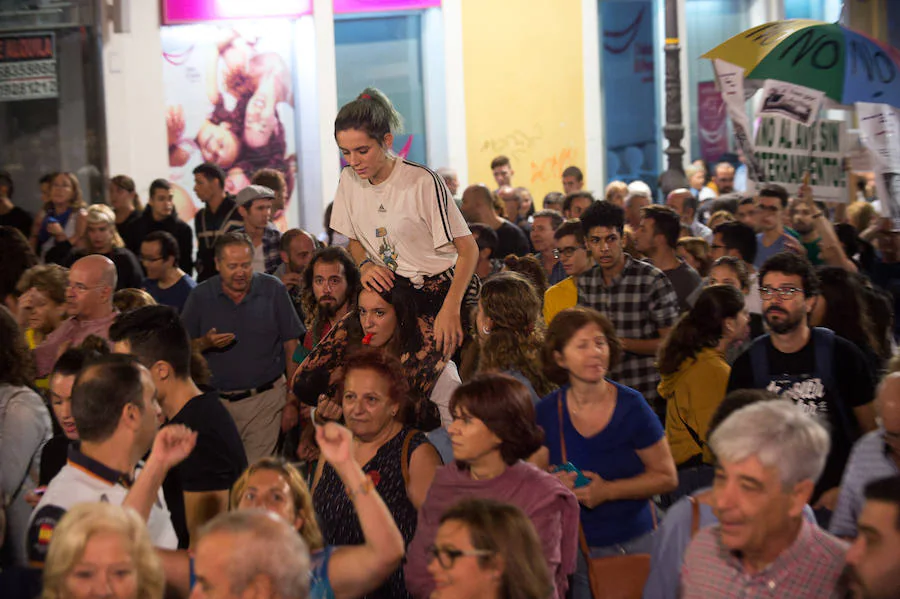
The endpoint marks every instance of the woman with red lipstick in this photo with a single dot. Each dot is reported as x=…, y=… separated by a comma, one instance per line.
x=387, y=320
x=24, y=428
x=401, y=220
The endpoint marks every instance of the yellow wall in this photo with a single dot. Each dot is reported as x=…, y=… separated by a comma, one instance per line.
x=524, y=89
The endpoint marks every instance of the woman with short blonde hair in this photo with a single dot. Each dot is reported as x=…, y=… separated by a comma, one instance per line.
x=90, y=530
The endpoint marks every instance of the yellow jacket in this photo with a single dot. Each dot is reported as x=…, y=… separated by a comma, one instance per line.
x=692, y=394
x=559, y=297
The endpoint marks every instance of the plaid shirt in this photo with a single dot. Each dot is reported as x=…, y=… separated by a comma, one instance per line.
x=271, y=243
x=809, y=569
x=639, y=302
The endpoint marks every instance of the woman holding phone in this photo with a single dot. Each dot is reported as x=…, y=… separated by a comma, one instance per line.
x=608, y=433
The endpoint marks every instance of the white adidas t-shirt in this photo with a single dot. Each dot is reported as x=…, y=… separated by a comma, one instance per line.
x=75, y=484
x=408, y=223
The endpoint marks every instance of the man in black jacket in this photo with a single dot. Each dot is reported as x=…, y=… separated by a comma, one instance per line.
x=160, y=215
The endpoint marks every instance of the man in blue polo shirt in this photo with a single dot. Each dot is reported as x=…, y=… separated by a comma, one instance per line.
x=246, y=327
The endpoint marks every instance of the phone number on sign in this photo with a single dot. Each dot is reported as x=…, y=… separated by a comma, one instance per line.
x=33, y=68
x=14, y=90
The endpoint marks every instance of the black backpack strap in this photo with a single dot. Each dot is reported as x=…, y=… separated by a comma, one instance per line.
x=759, y=362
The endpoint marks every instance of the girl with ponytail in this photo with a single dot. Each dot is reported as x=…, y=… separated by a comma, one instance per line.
x=695, y=376
x=401, y=219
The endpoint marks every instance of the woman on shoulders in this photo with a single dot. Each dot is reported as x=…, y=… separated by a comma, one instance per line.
x=401, y=219
x=695, y=377
x=492, y=432
x=608, y=432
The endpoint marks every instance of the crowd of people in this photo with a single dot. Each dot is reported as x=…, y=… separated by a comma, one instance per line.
x=452, y=393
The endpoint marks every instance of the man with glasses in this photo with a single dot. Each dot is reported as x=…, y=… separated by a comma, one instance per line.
x=160, y=215
x=825, y=374
x=771, y=203
x=92, y=281
x=876, y=455
x=166, y=282
x=574, y=259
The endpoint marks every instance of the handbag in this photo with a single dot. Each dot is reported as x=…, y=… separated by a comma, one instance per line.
x=616, y=576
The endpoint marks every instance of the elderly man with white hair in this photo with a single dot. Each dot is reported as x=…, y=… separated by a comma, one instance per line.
x=250, y=553
x=770, y=455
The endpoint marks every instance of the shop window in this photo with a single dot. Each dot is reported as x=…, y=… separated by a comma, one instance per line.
x=385, y=52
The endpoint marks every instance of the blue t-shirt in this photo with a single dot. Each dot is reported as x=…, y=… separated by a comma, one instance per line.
x=174, y=296
x=763, y=253
x=612, y=455
x=319, y=583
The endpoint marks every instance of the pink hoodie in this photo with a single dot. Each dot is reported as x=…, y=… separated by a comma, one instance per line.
x=551, y=507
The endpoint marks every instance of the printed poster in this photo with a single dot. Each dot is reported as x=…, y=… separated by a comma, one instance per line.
x=879, y=126
x=229, y=100
x=731, y=85
x=791, y=101
x=712, y=122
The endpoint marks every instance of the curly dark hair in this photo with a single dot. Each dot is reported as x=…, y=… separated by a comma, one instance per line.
x=408, y=336
x=329, y=255
x=504, y=405
x=700, y=328
x=531, y=268
x=516, y=337
x=789, y=263
x=16, y=366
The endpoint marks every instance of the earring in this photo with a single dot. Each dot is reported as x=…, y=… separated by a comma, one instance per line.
x=485, y=330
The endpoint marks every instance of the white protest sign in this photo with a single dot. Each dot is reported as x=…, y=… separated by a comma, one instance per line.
x=791, y=101
x=785, y=149
x=879, y=131
x=731, y=84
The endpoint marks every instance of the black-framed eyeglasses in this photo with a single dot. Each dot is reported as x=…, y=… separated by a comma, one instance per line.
x=447, y=557
x=566, y=252
x=151, y=258
x=784, y=293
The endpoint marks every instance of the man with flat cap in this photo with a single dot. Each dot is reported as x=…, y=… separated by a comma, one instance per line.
x=254, y=203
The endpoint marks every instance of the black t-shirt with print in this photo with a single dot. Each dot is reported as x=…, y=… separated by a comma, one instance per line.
x=792, y=376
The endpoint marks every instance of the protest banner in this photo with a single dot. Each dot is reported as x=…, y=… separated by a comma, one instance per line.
x=731, y=83
x=785, y=149
x=879, y=127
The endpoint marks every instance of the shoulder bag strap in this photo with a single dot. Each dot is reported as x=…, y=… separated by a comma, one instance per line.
x=404, y=456
x=695, y=515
